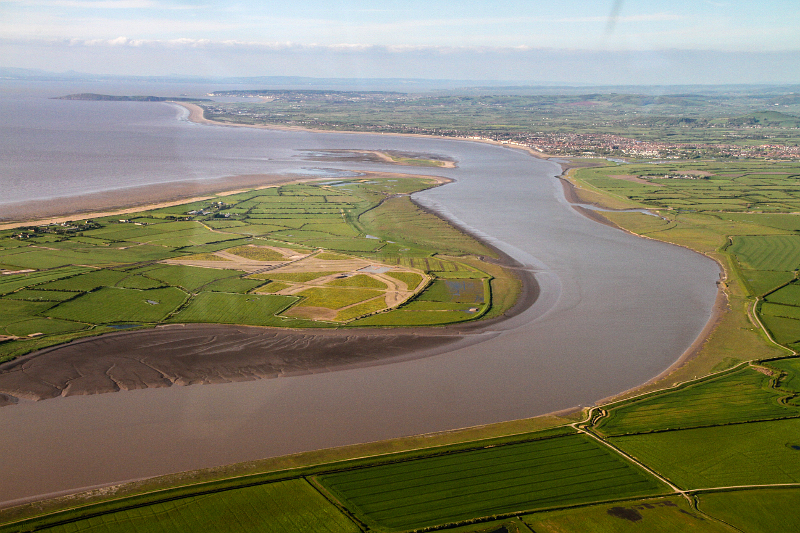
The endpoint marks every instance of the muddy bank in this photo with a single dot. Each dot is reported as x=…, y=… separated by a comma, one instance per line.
x=202, y=354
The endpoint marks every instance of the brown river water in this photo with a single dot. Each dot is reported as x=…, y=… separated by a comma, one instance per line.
x=614, y=310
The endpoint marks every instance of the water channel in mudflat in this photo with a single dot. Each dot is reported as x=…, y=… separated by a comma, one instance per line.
x=614, y=309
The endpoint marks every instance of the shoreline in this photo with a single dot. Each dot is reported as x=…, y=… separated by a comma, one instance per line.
x=718, y=310
x=197, y=116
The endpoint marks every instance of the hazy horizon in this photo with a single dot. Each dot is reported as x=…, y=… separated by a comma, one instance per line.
x=574, y=42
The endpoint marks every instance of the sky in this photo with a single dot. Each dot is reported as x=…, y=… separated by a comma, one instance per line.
x=533, y=41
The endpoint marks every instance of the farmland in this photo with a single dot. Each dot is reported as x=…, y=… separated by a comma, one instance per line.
x=296, y=255
x=493, y=481
x=756, y=453
x=760, y=395
x=286, y=506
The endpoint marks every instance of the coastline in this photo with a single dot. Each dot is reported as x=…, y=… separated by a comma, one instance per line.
x=197, y=116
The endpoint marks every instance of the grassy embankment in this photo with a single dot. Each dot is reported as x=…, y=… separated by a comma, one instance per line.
x=249, y=258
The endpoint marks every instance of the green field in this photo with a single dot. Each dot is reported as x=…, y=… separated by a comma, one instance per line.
x=109, y=304
x=222, y=308
x=755, y=511
x=503, y=479
x=335, y=298
x=13, y=282
x=741, y=213
x=409, y=278
x=283, y=507
x=739, y=454
x=190, y=278
x=662, y=515
x=359, y=280
x=708, y=402
x=768, y=252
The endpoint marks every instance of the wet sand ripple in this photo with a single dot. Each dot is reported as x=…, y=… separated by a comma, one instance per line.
x=199, y=354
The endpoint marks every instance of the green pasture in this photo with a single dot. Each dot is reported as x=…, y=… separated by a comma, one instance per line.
x=44, y=326
x=257, y=253
x=486, y=482
x=364, y=308
x=771, y=510
x=273, y=286
x=359, y=280
x=306, y=217
x=401, y=221
x=788, y=295
x=13, y=282
x=454, y=290
x=705, y=402
x=721, y=456
x=41, y=295
x=190, y=278
x=287, y=506
x=224, y=308
x=660, y=515
x=233, y=284
x=111, y=304
x=411, y=279
x=87, y=281
x=213, y=247
x=297, y=277
x=768, y=252
x=136, y=281
x=335, y=298
x=786, y=331
x=13, y=312
x=760, y=282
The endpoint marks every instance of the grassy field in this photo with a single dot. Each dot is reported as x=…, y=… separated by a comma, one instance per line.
x=721, y=456
x=707, y=402
x=283, y=507
x=223, y=308
x=498, y=480
x=755, y=511
x=661, y=515
x=109, y=304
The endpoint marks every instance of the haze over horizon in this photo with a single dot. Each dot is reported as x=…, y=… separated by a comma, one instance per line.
x=613, y=42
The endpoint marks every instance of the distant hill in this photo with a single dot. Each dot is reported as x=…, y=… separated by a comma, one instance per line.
x=766, y=118
x=113, y=98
